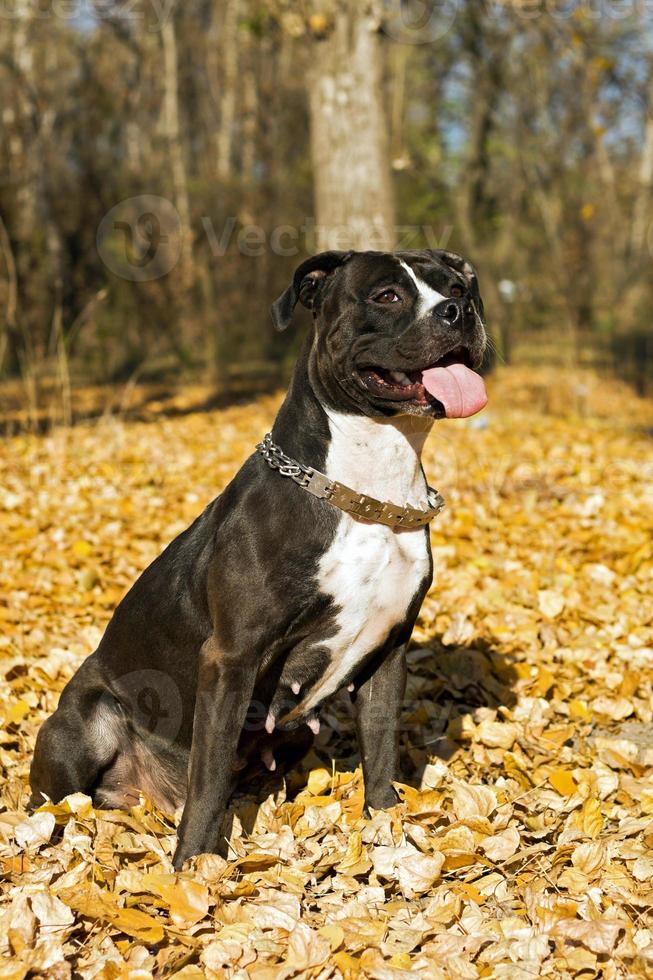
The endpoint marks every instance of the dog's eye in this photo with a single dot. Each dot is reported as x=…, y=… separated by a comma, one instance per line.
x=387, y=296
x=456, y=291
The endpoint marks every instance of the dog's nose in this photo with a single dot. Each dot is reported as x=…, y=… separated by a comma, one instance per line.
x=450, y=312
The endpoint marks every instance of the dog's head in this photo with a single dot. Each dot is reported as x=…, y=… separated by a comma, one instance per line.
x=395, y=333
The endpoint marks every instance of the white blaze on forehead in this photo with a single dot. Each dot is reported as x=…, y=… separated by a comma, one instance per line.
x=428, y=297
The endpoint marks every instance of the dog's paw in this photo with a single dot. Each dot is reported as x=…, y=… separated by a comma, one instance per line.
x=184, y=852
x=381, y=798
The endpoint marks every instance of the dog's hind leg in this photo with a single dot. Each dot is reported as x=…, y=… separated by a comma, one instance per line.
x=77, y=742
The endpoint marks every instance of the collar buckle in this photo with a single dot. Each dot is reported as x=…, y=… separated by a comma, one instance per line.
x=318, y=484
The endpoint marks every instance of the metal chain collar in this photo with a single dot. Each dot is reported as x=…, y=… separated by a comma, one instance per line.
x=343, y=497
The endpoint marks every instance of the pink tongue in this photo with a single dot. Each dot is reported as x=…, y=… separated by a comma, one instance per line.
x=461, y=390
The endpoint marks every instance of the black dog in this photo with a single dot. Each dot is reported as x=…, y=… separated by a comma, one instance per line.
x=290, y=585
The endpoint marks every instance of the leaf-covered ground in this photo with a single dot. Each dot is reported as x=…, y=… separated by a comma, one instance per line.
x=523, y=842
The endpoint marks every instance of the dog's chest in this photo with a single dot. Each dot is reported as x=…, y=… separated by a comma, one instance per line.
x=371, y=572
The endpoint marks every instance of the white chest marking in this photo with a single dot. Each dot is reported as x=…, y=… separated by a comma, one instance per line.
x=428, y=297
x=371, y=571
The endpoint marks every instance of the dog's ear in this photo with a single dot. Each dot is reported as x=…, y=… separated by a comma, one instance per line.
x=305, y=285
x=460, y=264
x=466, y=270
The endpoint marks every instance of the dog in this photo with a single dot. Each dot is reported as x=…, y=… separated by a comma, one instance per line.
x=305, y=576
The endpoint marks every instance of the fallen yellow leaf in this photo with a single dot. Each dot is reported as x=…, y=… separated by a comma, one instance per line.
x=563, y=782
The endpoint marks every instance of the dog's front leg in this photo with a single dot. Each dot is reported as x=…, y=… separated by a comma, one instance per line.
x=378, y=702
x=224, y=690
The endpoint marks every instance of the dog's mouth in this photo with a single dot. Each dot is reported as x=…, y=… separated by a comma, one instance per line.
x=449, y=382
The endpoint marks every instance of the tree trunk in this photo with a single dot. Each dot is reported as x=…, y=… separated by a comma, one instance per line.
x=22, y=162
x=641, y=213
x=353, y=190
x=229, y=47
x=9, y=341
x=175, y=150
x=249, y=111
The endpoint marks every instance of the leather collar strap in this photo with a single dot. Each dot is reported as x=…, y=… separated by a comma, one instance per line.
x=343, y=497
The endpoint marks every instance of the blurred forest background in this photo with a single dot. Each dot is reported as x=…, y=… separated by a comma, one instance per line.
x=164, y=166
